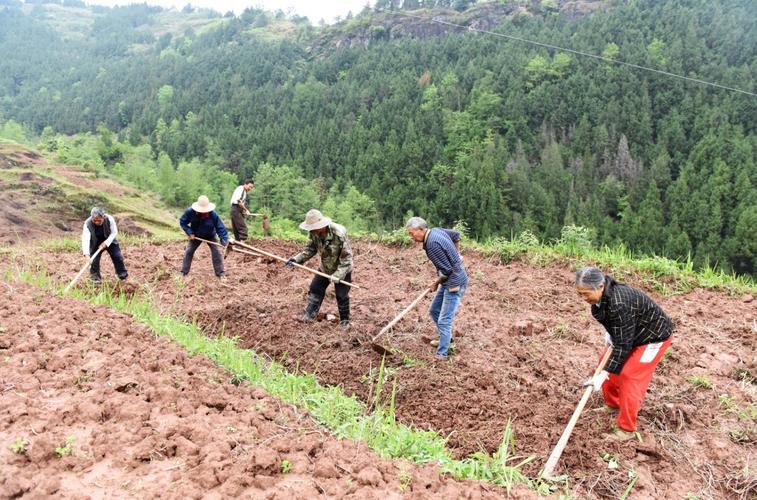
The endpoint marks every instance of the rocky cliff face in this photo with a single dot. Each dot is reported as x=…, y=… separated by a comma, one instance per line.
x=363, y=31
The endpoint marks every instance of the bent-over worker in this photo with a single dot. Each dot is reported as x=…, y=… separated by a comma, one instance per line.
x=638, y=332
x=100, y=231
x=330, y=241
x=441, y=246
x=201, y=221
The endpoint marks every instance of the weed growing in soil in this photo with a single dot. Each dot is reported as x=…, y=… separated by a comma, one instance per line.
x=700, y=381
x=286, y=466
x=348, y=417
x=67, y=448
x=19, y=446
x=498, y=468
x=746, y=431
x=405, y=478
x=634, y=477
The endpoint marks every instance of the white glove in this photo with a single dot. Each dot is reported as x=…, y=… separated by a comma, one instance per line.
x=608, y=340
x=597, y=380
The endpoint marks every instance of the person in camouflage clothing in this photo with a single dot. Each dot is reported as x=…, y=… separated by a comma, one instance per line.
x=330, y=241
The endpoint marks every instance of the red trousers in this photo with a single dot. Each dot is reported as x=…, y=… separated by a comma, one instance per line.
x=626, y=390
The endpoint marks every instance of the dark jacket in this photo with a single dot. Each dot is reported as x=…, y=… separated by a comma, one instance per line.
x=631, y=318
x=206, y=228
x=93, y=235
x=441, y=251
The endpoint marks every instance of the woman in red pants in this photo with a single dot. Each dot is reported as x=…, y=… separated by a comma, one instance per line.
x=638, y=332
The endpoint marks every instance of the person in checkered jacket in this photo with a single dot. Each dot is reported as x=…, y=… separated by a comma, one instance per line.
x=637, y=330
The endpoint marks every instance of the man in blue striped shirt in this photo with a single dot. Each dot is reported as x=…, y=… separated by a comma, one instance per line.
x=441, y=248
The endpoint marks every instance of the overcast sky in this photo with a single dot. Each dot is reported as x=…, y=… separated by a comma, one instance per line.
x=315, y=10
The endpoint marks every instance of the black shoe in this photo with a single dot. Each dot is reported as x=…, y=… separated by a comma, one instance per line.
x=344, y=313
x=306, y=318
x=95, y=278
x=314, y=304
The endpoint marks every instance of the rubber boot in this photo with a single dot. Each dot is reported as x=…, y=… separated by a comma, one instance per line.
x=314, y=304
x=344, y=314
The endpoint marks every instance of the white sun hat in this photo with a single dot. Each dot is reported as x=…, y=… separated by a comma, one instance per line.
x=203, y=205
x=314, y=219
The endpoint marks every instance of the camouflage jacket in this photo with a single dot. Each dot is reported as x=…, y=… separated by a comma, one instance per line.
x=334, y=249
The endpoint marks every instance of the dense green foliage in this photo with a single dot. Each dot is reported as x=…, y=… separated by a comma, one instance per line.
x=505, y=136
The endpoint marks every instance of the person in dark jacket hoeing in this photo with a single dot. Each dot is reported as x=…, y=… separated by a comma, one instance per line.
x=441, y=246
x=100, y=232
x=638, y=332
x=201, y=221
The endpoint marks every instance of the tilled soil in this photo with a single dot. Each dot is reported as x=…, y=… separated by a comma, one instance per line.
x=145, y=420
x=525, y=342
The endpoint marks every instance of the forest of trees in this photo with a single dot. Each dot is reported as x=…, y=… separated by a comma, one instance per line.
x=499, y=134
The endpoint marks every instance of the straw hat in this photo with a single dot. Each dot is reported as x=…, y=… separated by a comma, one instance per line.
x=203, y=205
x=314, y=220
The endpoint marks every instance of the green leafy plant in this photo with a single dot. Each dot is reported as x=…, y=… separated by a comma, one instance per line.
x=286, y=466
x=634, y=476
x=575, y=240
x=19, y=446
x=612, y=460
x=67, y=448
x=700, y=381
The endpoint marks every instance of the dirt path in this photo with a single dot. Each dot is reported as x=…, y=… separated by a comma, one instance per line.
x=525, y=343
x=145, y=420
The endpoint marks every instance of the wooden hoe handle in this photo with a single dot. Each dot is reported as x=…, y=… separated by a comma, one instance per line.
x=282, y=259
x=557, y=452
x=78, y=275
x=402, y=314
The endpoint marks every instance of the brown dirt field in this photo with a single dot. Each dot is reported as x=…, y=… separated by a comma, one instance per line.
x=151, y=422
x=525, y=343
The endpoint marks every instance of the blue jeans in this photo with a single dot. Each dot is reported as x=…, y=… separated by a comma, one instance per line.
x=443, y=310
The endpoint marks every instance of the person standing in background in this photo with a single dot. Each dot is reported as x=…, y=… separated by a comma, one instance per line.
x=239, y=209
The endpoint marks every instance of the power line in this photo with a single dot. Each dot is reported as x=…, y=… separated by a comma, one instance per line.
x=577, y=52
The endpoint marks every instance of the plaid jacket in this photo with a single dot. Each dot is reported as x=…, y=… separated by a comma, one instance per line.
x=631, y=318
x=334, y=249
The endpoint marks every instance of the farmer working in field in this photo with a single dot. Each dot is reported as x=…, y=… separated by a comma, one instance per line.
x=201, y=221
x=441, y=248
x=100, y=232
x=239, y=209
x=330, y=241
x=638, y=332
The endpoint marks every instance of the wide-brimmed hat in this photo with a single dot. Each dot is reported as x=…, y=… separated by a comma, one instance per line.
x=314, y=220
x=203, y=205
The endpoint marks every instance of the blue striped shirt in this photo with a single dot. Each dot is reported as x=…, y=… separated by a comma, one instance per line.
x=440, y=249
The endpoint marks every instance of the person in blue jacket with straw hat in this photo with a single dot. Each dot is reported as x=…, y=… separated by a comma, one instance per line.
x=201, y=221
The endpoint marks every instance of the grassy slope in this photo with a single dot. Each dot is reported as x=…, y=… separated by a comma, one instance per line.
x=44, y=192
